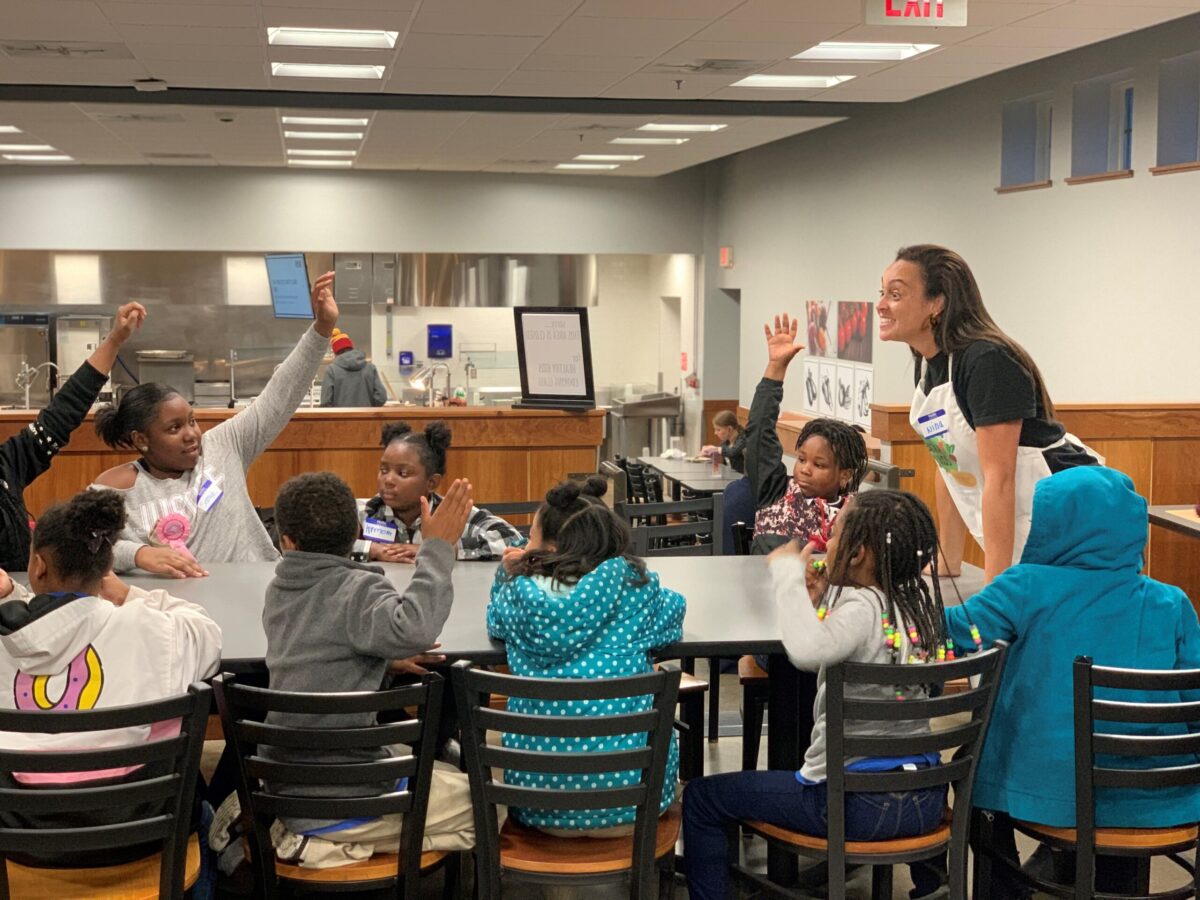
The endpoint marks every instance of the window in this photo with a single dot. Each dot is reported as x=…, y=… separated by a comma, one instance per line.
x=1179, y=110
x=1026, y=135
x=1102, y=125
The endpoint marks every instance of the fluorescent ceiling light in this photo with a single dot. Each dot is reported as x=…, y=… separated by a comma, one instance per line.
x=327, y=163
x=864, y=52
x=358, y=39
x=680, y=127
x=609, y=157
x=38, y=157
x=9, y=129
x=25, y=148
x=791, y=81
x=292, y=151
x=655, y=142
x=323, y=120
x=325, y=70
x=595, y=167
x=324, y=135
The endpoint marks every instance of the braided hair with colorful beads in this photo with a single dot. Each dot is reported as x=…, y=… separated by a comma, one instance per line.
x=899, y=531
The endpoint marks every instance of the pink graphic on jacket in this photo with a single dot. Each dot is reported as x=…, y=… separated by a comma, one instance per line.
x=84, y=681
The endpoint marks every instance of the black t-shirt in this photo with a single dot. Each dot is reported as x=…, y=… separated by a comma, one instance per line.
x=991, y=387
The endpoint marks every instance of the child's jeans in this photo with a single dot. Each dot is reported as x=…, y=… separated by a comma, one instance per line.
x=712, y=804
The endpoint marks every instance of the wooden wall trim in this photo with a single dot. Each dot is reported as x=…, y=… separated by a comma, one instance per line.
x=1088, y=421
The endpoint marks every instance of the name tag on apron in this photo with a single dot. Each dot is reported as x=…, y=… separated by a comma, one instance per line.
x=932, y=424
x=209, y=495
x=380, y=532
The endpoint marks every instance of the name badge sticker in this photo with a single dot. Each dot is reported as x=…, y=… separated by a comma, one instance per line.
x=380, y=532
x=932, y=424
x=209, y=494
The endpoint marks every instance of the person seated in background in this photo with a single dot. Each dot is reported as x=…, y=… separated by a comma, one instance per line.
x=410, y=471
x=831, y=459
x=1077, y=591
x=350, y=380
x=335, y=625
x=25, y=456
x=81, y=639
x=574, y=603
x=186, y=492
x=732, y=435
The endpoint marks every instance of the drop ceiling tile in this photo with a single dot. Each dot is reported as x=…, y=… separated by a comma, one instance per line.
x=851, y=92
x=773, y=94
x=625, y=37
x=376, y=5
x=494, y=19
x=199, y=53
x=845, y=11
x=558, y=62
x=71, y=71
x=177, y=14
x=332, y=16
x=915, y=34
x=557, y=84
x=993, y=14
x=1046, y=38
x=801, y=34
x=202, y=75
x=663, y=87
x=811, y=67
x=181, y=34
x=64, y=20
x=760, y=51
x=427, y=51
x=1004, y=56
x=1076, y=15
x=659, y=9
x=445, y=81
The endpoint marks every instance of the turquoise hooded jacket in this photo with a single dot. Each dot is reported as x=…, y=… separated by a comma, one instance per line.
x=1077, y=592
x=602, y=627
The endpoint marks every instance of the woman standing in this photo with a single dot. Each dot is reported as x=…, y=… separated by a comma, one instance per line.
x=980, y=406
x=27, y=455
x=186, y=496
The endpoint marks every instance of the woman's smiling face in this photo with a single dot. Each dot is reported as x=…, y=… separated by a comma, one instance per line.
x=904, y=310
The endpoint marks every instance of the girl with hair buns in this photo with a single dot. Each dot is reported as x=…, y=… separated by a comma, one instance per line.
x=575, y=603
x=186, y=492
x=412, y=466
x=980, y=405
x=82, y=640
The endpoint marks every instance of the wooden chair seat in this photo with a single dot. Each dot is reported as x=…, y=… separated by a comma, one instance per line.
x=935, y=838
x=530, y=850
x=379, y=867
x=1117, y=838
x=750, y=672
x=691, y=684
x=137, y=880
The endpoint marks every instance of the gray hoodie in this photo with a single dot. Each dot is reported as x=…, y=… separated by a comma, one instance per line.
x=352, y=381
x=334, y=625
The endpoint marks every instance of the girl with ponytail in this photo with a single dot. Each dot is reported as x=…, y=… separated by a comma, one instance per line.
x=575, y=603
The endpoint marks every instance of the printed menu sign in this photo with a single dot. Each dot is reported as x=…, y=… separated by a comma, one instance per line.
x=554, y=354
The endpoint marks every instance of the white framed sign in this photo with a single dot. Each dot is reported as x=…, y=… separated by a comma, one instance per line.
x=554, y=353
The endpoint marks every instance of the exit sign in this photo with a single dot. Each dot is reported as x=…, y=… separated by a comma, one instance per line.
x=916, y=12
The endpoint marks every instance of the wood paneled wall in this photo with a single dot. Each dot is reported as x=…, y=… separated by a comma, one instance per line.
x=509, y=455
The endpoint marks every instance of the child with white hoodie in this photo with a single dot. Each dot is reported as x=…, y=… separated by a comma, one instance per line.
x=82, y=639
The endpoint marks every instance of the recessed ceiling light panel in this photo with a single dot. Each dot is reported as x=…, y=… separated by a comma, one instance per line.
x=292, y=151
x=592, y=167
x=38, y=157
x=325, y=70
x=25, y=148
x=323, y=163
x=650, y=142
x=791, y=82
x=357, y=39
x=681, y=127
x=10, y=129
x=324, y=135
x=609, y=157
x=324, y=120
x=839, y=51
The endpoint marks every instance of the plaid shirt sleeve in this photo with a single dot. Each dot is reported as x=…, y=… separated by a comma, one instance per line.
x=486, y=536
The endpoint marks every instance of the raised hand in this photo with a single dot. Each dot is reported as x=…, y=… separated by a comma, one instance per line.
x=781, y=345
x=324, y=306
x=129, y=319
x=450, y=518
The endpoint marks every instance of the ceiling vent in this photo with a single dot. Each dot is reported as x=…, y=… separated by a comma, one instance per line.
x=708, y=67
x=74, y=50
x=138, y=118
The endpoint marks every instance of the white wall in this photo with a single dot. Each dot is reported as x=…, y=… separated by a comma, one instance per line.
x=1096, y=280
x=146, y=208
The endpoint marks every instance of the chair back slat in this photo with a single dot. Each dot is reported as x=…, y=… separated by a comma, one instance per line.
x=1145, y=744
x=1140, y=713
x=150, y=803
x=275, y=781
x=565, y=763
x=929, y=673
x=83, y=799
x=889, y=711
x=911, y=745
x=1145, y=679
x=392, y=769
x=905, y=780
x=472, y=688
x=1162, y=777
x=287, y=737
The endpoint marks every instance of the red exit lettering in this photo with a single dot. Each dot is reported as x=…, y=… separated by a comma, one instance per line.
x=916, y=9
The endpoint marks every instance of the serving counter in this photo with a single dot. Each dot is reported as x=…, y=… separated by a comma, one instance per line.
x=508, y=454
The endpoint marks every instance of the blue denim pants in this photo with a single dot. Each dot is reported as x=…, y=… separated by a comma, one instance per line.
x=712, y=804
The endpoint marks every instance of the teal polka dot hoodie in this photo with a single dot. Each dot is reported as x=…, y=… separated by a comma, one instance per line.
x=602, y=627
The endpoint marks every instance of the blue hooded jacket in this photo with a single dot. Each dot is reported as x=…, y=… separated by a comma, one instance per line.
x=1077, y=592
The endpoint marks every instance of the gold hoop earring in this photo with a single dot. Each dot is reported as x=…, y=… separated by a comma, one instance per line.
x=935, y=321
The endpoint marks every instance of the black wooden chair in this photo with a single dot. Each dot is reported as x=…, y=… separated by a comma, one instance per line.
x=517, y=508
x=959, y=773
x=159, y=794
x=244, y=710
x=516, y=853
x=1137, y=718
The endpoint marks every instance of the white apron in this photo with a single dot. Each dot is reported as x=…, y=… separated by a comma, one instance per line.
x=952, y=443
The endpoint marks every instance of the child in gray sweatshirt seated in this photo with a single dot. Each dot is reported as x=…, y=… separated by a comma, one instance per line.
x=336, y=625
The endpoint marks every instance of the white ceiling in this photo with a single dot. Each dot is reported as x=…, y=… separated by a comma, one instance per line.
x=527, y=48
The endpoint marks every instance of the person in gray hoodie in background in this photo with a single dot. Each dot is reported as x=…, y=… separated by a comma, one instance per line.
x=335, y=625
x=350, y=380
